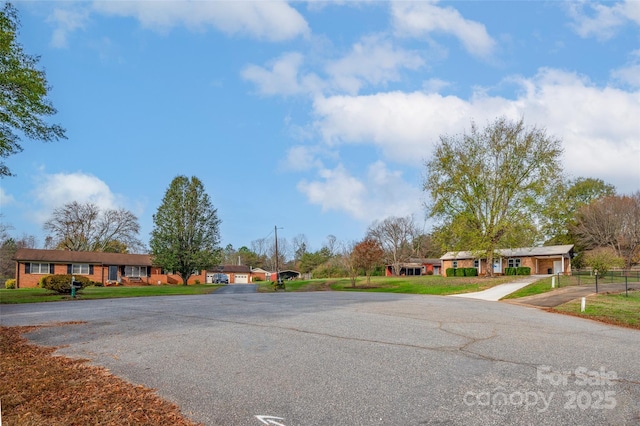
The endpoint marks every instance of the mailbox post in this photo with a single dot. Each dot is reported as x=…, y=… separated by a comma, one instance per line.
x=75, y=285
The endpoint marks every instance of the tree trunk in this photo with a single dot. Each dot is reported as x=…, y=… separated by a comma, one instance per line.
x=489, y=263
x=185, y=279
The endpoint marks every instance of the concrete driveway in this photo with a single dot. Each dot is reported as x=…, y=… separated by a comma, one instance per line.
x=333, y=358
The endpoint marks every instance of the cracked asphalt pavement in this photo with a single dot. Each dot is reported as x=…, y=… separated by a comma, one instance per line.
x=337, y=358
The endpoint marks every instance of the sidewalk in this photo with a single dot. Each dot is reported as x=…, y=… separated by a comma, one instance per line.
x=559, y=296
x=498, y=292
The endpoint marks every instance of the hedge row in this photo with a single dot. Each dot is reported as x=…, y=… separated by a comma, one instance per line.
x=62, y=283
x=473, y=272
x=520, y=270
x=462, y=272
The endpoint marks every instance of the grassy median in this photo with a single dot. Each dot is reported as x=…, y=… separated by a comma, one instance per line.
x=33, y=295
x=617, y=309
x=425, y=284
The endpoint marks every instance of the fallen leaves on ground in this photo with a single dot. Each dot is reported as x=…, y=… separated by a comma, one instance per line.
x=38, y=388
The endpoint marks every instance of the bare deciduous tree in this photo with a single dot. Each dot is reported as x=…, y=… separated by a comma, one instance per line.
x=84, y=227
x=611, y=222
x=395, y=235
x=300, y=247
x=331, y=244
x=348, y=261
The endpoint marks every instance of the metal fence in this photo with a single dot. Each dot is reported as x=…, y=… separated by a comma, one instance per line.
x=622, y=279
x=618, y=276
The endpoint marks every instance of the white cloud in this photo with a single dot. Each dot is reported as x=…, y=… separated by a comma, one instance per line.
x=629, y=75
x=6, y=199
x=300, y=158
x=66, y=21
x=605, y=20
x=380, y=194
x=418, y=19
x=55, y=190
x=435, y=85
x=373, y=60
x=282, y=77
x=268, y=20
x=598, y=125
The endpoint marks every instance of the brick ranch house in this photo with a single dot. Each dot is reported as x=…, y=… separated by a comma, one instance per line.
x=541, y=260
x=109, y=268
x=417, y=267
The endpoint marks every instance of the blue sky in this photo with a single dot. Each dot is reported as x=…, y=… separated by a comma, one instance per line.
x=316, y=117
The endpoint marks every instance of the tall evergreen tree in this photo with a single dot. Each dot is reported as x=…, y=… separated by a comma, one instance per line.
x=186, y=232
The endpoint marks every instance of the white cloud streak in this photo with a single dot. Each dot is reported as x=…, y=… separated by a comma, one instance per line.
x=265, y=20
x=282, y=77
x=603, y=20
x=379, y=194
x=372, y=61
x=66, y=21
x=6, y=199
x=421, y=19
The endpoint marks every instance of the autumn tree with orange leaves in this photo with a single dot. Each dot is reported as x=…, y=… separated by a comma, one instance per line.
x=367, y=255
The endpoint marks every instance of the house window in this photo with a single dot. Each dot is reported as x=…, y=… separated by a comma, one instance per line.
x=135, y=271
x=514, y=263
x=80, y=268
x=454, y=264
x=39, y=268
x=476, y=263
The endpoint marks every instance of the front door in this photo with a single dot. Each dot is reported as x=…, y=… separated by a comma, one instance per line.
x=113, y=273
x=497, y=266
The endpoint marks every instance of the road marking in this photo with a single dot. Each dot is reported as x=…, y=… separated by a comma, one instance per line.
x=270, y=420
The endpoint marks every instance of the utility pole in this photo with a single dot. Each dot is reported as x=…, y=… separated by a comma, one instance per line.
x=277, y=269
x=279, y=284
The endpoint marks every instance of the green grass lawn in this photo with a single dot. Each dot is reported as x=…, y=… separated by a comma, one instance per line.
x=32, y=295
x=610, y=308
x=426, y=284
x=538, y=287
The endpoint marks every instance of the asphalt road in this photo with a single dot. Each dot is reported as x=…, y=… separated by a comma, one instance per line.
x=237, y=289
x=337, y=358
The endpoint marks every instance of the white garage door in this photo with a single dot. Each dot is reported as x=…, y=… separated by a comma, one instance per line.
x=242, y=279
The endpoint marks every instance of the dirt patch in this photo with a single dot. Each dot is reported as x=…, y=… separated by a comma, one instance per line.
x=38, y=388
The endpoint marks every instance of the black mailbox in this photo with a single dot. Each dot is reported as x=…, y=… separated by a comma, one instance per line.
x=76, y=284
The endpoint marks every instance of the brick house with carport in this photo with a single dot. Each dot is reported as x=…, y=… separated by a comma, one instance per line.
x=237, y=274
x=541, y=260
x=105, y=268
x=417, y=267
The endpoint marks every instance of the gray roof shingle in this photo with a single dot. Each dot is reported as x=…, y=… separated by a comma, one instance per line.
x=515, y=252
